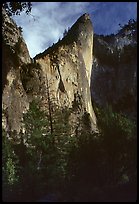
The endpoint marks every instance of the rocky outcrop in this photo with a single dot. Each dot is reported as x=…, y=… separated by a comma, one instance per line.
x=65, y=68
x=14, y=55
x=114, y=72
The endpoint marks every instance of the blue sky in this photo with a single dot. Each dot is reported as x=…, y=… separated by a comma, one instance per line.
x=48, y=20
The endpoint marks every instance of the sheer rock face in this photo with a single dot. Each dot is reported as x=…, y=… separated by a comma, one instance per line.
x=67, y=66
x=114, y=77
x=14, y=55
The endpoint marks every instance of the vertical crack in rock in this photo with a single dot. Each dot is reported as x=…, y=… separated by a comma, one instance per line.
x=72, y=57
x=66, y=66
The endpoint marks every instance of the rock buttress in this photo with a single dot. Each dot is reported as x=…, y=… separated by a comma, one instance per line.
x=14, y=55
x=67, y=66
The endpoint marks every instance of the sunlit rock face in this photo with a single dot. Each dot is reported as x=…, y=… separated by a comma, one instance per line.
x=14, y=55
x=67, y=67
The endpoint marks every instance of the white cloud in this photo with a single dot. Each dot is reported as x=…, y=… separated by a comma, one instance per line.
x=47, y=22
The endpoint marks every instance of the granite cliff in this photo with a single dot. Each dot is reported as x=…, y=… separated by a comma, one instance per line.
x=14, y=55
x=65, y=67
x=114, y=70
x=52, y=150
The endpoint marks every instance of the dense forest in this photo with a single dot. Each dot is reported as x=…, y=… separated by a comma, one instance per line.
x=74, y=166
x=57, y=161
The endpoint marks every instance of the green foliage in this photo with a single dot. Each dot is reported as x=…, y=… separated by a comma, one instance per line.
x=105, y=158
x=11, y=171
x=47, y=152
x=15, y=8
x=119, y=142
x=28, y=76
x=128, y=53
x=65, y=33
x=130, y=26
x=10, y=168
x=20, y=28
x=76, y=162
x=109, y=121
x=9, y=162
x=36, y=124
